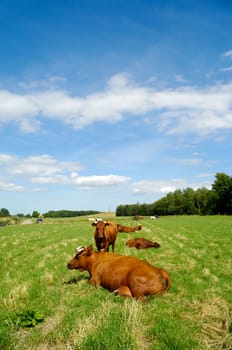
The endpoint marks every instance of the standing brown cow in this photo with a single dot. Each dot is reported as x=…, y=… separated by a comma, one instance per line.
x=121, y=228
x=105, y=235
x=124, y=275
x=140, y=243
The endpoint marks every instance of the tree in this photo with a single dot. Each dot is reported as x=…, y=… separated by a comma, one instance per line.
x=201, y=201
x=35, y=214
x=188, y=201
x=20, y=215
x=4, y=212
x=179, y=202
x=160, y=206
x=171, y=207
x=223, y=189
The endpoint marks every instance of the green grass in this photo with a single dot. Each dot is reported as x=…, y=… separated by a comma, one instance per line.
x=194, y=314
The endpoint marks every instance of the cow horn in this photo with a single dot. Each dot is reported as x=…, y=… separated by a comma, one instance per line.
x=80, y=249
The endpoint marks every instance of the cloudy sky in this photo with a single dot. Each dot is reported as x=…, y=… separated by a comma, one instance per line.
x=108, y=102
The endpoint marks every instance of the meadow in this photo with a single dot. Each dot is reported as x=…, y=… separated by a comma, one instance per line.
x=45, y=306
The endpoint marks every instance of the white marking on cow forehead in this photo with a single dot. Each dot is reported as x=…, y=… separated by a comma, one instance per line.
x=80, y=249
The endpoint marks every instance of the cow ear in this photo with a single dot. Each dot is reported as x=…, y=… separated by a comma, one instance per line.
x=94, y=224
x=89, y=250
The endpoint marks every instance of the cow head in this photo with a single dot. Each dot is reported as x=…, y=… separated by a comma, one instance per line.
x=100, y=229
x=80, y=260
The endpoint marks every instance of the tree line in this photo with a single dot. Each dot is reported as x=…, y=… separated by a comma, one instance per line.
x=68, y=213
x=50, y=214
x=202, y=201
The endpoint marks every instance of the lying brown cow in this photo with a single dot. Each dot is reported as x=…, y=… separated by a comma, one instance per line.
x=124, y=275
x=137, y=217
x=140, y=243
x=121, y=228
x=105, y=235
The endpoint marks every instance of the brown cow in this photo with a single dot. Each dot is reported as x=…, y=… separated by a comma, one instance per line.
x=140, y=243
x=124, y=275
x=105, y=235
x=137, y=217
x=121, y=228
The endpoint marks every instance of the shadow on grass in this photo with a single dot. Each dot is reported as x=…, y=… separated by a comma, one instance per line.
x=76, y=280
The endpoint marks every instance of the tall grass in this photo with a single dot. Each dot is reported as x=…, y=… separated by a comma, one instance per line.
x=194, y=314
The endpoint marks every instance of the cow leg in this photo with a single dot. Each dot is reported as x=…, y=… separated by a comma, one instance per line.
x=106, y=249
x=123, y=291
x=141, y=298
x=98, y=245
x=95, y=282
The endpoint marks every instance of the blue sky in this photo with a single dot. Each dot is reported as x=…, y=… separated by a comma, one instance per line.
x=105, y=103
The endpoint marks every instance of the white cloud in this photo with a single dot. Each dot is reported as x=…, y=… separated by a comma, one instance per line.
x=19, y=109
x=35, y=166
x=162, y=187
x=226, y=69
x=10, y=186
x=46, y=170
x=119, y=81
x=181, y=110
x=6, y=158
x=167, y=189
x=49, y=180
x=94, y=181
x=41, y=169
x=157, y=186
x=227, y=54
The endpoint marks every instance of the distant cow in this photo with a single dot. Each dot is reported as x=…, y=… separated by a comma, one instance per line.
x=105, y=235
x=91, y=220
x=141, y=243
x=124, y=275
x=98, y=219
x=137, y=217
x=154, y=217
x=94, y=220
x=121, y=228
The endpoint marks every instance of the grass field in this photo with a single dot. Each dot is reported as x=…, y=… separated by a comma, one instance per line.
x=65, y=312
